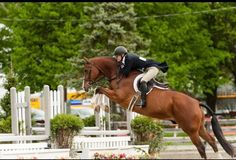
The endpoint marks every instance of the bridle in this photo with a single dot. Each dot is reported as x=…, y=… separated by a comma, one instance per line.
x=88, y=78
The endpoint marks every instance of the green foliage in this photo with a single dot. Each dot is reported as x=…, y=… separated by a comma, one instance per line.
x=5, y=45
x=185, y=42
x=45, y=43
x=116, y=117
x=5, y=40
x=5, y=105
x=48, y=40
x=5, y=125
x=222, y=28
x=5, y=102
x=111, y=24
x=156, y=144
x=89, y=121
x=107, y=26
x=147, y=131
x=33, y=121
x=64, y=127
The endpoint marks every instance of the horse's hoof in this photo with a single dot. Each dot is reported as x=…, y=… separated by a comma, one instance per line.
x=97, y=91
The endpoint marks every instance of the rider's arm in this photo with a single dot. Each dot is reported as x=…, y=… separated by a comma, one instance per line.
x=128, y=66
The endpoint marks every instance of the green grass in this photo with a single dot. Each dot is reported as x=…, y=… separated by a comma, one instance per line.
x=181, y=134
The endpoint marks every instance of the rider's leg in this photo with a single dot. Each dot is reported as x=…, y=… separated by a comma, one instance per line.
x=151, y=72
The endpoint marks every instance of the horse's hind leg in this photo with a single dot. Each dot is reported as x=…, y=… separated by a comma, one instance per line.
x=207, y=137
x=197, y=142
x=211, y=140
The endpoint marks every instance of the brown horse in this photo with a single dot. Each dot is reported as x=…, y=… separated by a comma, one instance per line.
x=161, y=104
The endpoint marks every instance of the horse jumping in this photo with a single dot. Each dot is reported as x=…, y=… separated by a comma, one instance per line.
x=161, y=104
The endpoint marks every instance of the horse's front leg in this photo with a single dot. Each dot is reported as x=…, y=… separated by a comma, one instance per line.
x=108, y=92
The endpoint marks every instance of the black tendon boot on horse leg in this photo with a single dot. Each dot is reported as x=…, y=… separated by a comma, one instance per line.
x=144, y=90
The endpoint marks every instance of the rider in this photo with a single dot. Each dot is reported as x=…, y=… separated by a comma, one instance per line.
x=129, y=62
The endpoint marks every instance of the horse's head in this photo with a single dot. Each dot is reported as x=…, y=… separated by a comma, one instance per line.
x=96, y=68
x=91, y=73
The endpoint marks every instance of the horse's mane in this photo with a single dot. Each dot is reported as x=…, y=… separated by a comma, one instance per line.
x=105, y=62
x=103, y=58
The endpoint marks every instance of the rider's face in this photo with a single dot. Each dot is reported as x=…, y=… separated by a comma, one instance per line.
x=118, y=58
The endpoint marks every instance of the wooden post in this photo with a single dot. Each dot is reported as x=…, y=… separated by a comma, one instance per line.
x=46, y=99
x=14, y=116
x=27, y=111
x=128, y=119
x=108, y=115
x=60, y=89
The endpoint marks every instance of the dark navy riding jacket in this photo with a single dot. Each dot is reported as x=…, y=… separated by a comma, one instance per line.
x=134, y=62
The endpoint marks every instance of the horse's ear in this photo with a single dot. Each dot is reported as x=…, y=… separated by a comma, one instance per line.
x=86, y=60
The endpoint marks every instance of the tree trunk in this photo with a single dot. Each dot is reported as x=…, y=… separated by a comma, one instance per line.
x=234, y=63
x=234, y=70
x=211, y=99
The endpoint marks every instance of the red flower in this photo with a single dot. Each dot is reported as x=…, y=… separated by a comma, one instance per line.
x=122, y=155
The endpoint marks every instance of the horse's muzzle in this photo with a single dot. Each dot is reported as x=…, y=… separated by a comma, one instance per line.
x=86, y=86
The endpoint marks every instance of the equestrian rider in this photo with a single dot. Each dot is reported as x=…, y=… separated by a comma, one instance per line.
x=129, y=62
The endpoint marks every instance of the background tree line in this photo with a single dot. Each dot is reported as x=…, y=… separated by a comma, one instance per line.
x=43, y=43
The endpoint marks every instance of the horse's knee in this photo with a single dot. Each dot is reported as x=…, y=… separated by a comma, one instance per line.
x=208, y=138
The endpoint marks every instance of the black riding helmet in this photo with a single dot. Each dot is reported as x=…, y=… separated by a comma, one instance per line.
x=120, y=50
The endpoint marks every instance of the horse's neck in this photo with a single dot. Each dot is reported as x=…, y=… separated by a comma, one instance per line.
x=112, y=72
x=109, y=68
x=125, y=80
x=135, y=73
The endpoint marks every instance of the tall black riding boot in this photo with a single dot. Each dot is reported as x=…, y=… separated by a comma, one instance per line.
x=144, y=90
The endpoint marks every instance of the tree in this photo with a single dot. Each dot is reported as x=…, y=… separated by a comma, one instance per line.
x=5, y=40
x=221, y=25
x=45, y=36
x=5, y=102
x=109, y=25
x=222, y=34
x=181, y=39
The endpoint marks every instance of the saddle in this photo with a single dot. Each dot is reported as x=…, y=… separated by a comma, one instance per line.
x=153, y=83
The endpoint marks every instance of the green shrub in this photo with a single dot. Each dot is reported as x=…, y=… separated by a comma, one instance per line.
x=89, y=121
x=5, y=125
x=116, y=117
x=147, y=131
x=63, y=128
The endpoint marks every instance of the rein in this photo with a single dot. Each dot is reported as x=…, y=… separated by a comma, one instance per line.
x=91, y=82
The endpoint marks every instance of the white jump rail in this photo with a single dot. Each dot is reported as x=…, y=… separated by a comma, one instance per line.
x=104, y=132
x=86, y=146
x=22, y=147
x=31, y=151
x=7, y=138
x=100, y=142
x=37, y=154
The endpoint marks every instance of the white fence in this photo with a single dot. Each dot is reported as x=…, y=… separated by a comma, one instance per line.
x=114, y=141
x=106, y=140
x=21, y=136
x=52, y=103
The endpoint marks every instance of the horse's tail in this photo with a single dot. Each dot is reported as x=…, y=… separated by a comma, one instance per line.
x=218, y=132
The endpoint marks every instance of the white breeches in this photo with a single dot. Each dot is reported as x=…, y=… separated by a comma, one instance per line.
x=150, y=73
